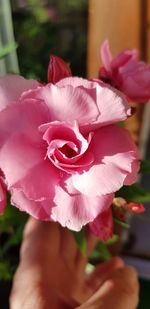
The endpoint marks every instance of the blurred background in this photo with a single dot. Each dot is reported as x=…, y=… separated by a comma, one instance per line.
x=74, y=30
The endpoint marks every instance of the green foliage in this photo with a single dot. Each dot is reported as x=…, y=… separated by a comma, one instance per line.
x=80, y=239
x=38, y=36
x=101, y=252
x=145, y=166
x=111, y=241
x=134, y=193
x=4, y=51
x=72, y=5
x=5, y=271
x=11, y=227
x=123, y=224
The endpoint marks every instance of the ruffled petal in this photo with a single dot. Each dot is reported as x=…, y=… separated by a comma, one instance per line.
x=23, y=150
x=24, y=119
x=12, y=86
x=40, y=210
x=23, y=164
x=123, y=58
x=116, y=163
x=66, y=103
x=112, y=105
x=76, y=210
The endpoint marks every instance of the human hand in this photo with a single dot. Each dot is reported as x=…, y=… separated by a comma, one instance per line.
x=51, y=274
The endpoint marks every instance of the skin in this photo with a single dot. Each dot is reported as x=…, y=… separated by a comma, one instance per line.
x=51, y=274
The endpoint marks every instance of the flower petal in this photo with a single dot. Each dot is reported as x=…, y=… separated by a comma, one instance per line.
x=23, y=164
x=23, y=118
x=106, y=55
x=23, y=151
x=112, y=104
x=102, y=226
x=67, y=103
x=123, y=58
x=136, y=81
x=116, y=163
x=12, y=86
x=40, y=210
x=77, y=209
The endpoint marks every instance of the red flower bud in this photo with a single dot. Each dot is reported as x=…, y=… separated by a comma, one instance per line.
x=57, y=69
x=135, y=207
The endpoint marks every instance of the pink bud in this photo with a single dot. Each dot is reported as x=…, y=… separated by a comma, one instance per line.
x=57, y=69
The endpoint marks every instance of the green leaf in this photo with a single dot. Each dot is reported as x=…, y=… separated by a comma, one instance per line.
x=123, y=224
x=145, y=166
x=134, y=193
x=4, y=271
x=4, y=51
x=104, y=253
x=112, y=240
x=80, y=239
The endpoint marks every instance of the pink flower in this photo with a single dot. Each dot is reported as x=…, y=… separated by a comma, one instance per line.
x=2, y=193
x=126, y=73
x=61, y=152
x=57, y=69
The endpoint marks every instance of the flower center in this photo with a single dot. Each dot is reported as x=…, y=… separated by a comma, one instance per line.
x=68, y=151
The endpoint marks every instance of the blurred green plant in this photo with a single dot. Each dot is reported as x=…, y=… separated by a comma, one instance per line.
x=5, y=50
x=40, y=34
x=11, y=227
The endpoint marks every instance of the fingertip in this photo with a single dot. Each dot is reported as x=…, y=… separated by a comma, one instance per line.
x=127, y=279
x=117, y=262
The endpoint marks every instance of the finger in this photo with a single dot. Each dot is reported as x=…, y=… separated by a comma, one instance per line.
x=68, y=248
x=40, y=240
x=101, y=273
x=29, y=292
x=120, y=291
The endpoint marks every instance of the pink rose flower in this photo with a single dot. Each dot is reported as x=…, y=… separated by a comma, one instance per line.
x=61, y=151
x=126, y=73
